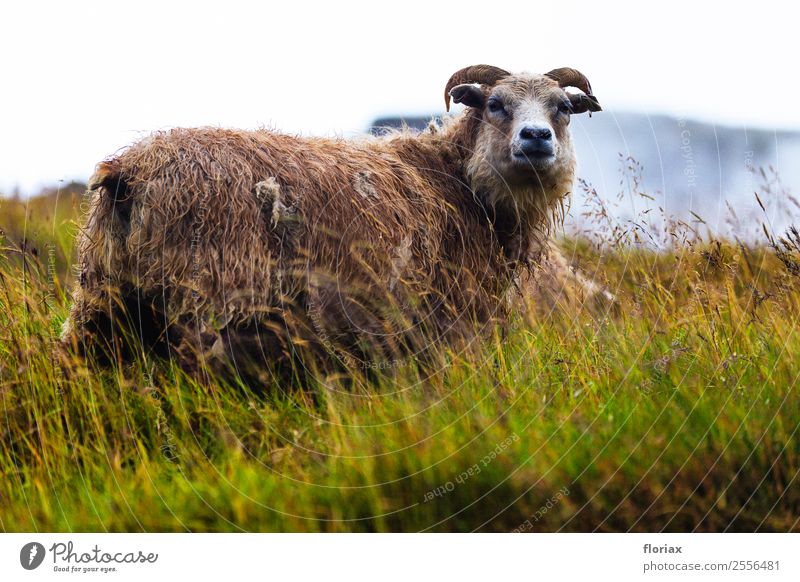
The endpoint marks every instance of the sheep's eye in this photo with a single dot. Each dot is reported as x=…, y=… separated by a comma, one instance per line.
x=564, y=107
x=495, y=106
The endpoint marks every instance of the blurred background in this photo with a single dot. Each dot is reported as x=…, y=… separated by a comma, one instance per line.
x=696, y=114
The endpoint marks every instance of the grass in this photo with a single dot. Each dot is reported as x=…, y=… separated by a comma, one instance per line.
x=677, y=411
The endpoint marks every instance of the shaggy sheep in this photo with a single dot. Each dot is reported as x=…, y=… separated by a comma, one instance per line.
x=209, y=243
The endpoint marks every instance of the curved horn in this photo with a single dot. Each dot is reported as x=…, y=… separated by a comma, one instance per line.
x=567, y=77
x=483, y=74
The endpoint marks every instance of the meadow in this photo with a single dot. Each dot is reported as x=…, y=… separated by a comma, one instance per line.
x=673, y=409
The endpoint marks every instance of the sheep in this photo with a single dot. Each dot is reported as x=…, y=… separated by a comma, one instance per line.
x=225, y=245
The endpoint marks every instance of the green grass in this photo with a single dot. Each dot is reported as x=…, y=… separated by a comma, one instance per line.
x=677, y=411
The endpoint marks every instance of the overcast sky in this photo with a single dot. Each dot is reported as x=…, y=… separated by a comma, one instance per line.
x=82, y=79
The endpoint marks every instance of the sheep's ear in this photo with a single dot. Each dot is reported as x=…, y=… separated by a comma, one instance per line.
x=469, y=95
x=581, y=103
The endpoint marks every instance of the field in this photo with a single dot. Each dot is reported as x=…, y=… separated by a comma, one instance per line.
x=675, y=409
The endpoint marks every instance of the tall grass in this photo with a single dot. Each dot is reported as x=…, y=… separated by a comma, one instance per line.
x=674, y=409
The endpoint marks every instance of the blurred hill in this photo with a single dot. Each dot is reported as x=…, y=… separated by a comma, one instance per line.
x=685, y=166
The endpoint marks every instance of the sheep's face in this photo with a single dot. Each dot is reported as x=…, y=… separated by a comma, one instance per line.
x=525, y=126
x=525, y=120
x=523, y=141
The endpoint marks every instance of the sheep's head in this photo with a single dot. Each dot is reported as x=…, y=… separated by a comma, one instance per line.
x=522, y=143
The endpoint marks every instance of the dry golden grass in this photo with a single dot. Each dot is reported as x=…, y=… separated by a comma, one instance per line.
x=675, y=410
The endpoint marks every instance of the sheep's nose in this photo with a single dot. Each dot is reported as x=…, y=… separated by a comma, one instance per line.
x=534, y=141
x=532, y=133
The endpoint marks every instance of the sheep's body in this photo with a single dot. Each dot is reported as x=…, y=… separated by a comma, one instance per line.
x=255, y=243
x=226, y=229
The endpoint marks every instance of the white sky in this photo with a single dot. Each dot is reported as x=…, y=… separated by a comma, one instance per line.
x=82, y=79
